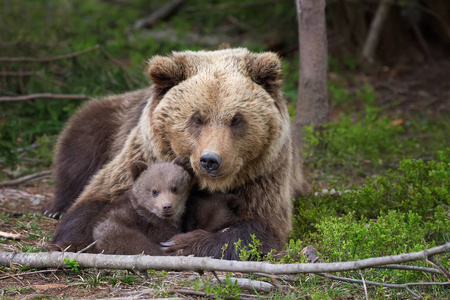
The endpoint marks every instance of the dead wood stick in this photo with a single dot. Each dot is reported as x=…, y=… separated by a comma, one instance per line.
x=45, y=95
x=434, y=262
x=409, y=268
x=388, y=285
x=145, y=262
x=204, y=294
x=30, y=273
x=9, y=235
x=159, y=15
x=26, y=178
x=20, y=74
x=48, y=59
x=311, y=255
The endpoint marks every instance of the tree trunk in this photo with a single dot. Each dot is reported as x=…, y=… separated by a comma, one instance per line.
x=312, y=102
x=376, y=26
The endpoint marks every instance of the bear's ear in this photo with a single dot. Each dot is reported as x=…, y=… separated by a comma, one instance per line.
x=265, y=70
x=164, y=73
x=137, y=168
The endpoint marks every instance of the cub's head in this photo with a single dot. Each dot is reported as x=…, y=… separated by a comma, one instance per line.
x=161, y=189
x=221, y=109
x=213, y=212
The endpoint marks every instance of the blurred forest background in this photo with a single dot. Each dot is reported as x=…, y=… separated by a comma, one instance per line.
x=410, y=74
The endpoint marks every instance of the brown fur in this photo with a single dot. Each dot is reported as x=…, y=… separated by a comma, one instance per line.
x=225, y=102
x=212, y=212
x=141, y=220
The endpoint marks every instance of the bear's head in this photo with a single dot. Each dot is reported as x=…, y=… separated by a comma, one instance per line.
x=222, y=109
x=160, y=189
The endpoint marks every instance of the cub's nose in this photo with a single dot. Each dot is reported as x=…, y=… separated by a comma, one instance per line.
x=210, y=161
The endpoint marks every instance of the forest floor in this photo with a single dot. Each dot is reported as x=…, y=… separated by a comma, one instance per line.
x=416, y=89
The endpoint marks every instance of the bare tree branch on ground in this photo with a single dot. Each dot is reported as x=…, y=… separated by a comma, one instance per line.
x=145, y=262
x=45, y=95
x=30, y=177
x=48, y=59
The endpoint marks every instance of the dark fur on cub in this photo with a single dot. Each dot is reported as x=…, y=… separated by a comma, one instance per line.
x=212, y=212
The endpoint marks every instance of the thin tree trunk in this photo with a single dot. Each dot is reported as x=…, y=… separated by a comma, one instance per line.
x=376, y=27
x=312, y=103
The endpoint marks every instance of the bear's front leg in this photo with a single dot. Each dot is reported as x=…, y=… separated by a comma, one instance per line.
x=221, y=244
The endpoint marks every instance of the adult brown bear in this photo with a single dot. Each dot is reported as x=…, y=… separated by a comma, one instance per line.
x=224, y=110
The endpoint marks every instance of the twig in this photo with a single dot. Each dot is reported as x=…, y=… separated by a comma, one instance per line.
x=160, y=14
x=45, y=95
x=204, y=294
x=26, y=178
x=9, y=235
x=145, y=262
x=364, y=284
x=29, y=273
x=13, y=277
x=48, y=59
x=389, y=285
x=433, y=261
x=409, y=268
x=87, y=247
x=20, y=74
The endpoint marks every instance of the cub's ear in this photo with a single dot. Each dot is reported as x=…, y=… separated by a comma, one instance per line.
x=137, y=168
x=164, y=72
x=185, y=163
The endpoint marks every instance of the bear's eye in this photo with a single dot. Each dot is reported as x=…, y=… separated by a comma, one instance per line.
x=174, y=189
x=236, y=120
x=154, y=192
x=197, y=119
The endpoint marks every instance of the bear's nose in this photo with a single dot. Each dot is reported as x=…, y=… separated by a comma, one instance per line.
x=210, y=161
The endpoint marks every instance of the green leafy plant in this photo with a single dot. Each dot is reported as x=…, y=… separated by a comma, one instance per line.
x=417, y=186
x=229, y=288
x=250, y=252
x=72, y=264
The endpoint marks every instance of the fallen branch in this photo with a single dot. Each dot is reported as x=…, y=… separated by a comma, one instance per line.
x=159, y=15
x=46, y=95
x=20, y=74
x=9, y=235
x=182, y=263
x=311, y=255
x=48, y=59
x=17, y=181
x=30, y=273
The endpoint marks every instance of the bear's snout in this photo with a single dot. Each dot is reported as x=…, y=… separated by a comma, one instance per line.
x=210, y=161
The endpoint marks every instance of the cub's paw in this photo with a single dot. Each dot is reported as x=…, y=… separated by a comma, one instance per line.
x=185, y=243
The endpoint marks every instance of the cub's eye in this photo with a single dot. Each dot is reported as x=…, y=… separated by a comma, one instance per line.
x=174, y=189
x=154, y=192
x=237, y=119
x=194, y=225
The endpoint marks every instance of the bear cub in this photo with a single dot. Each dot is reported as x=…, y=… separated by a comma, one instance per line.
x=149, y=213
x=157, y=207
